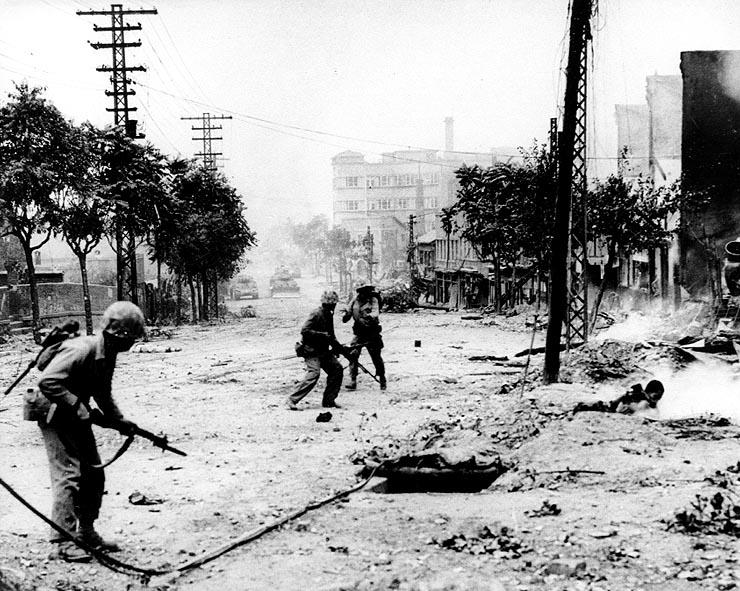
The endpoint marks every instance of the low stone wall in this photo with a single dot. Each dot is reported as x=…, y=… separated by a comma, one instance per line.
x=56, y=300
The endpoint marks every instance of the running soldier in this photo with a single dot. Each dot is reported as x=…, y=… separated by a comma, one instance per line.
x=319, y=347
x=364, y=309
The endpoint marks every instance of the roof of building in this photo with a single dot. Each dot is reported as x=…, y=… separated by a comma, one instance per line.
x=428, y=238
x=349, y=156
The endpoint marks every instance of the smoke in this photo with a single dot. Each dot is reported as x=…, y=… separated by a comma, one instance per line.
x=729, y=74
x=701, y=389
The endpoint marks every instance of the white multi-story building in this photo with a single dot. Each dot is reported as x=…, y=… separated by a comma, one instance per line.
x=381, y=196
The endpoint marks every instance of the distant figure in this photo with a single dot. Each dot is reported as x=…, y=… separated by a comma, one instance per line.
x=635, y=400
x=364, y=309
x=319, y=347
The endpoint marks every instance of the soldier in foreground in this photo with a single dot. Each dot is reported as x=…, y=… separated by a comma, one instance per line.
x=364, y=309
x=81, y=368
x=319, y=347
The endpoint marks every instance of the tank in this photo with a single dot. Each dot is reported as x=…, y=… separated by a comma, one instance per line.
x=732, y=266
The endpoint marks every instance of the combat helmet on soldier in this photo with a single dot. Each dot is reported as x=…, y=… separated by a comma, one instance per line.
x=122, y=324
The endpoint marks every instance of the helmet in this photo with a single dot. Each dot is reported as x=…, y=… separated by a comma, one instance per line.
x=123, y=319
x=329, y=297
x=364, y=285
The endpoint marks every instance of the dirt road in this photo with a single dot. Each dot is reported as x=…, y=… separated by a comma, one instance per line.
x=221, y=398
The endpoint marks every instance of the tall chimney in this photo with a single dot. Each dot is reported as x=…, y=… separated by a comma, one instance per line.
x=449, y=134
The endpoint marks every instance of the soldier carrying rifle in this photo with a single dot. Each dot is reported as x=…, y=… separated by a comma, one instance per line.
x=364, y=309
x=76, y=370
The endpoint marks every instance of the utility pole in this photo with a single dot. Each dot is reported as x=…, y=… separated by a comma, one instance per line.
x=411, y=250
x=368, y=242
x=207, y=153
x=126, y=278
x=568, y=281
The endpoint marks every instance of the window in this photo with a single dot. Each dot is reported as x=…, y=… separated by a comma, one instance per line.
x=384, y=204
x=434, y=178
x=353, y=205
x=403, y=204
x=392, y=180
x=383, y=181
x=371, y=181
x=403, y=179
x=373, y=205
x=430, y=202
x=352, y=181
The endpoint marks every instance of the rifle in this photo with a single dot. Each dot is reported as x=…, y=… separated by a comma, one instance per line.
x=160, y=441
x=343, y=350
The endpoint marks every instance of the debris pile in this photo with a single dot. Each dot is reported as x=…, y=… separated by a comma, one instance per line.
x=718, y=513
x=495, y=539
x=547, y=509
x=247, y=312
x=604, y=360
x=398, y=297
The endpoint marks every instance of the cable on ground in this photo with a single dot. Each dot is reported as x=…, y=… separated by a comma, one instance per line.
x=146, y=573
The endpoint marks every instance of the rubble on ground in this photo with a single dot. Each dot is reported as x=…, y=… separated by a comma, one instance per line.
x=398, y=297
x=497, y=540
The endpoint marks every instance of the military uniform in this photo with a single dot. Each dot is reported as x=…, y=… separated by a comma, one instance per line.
x=317, y=339
x=80, y=370
x=364, y=309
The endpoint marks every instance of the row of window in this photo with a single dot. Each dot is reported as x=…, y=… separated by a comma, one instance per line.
x=375, y=204
x=391, y=180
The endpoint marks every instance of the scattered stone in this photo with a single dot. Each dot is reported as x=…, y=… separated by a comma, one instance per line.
x=565, y=567
x=323, y=417
x=545, y=510
x=137, y=498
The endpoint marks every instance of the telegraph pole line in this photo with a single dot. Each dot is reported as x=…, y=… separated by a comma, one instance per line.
x=126, y=278
x=207, y=138
x=411, y=249
x=567, y=293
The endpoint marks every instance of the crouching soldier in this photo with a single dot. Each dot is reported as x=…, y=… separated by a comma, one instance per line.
x=319, y=347
x=81, y=368
x=364, y=309
x=635, y=400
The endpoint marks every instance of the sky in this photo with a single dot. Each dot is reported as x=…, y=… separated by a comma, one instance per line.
x=307, y=79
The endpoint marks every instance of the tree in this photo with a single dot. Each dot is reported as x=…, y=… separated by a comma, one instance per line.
x=134, y=177
x=629, y=217
x=34, y=165
x=312, y=237
x=83, y=213
x=203, y=235
x=338, y=246
x=505, y=212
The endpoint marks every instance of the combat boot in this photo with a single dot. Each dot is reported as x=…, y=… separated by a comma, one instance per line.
x=69, y=552
x=383, y=384
x=89, y=536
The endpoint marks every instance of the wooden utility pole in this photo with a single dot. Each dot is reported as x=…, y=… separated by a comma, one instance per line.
x=559, y=271
x=126, y=278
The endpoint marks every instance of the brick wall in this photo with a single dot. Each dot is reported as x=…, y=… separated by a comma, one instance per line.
x=56, y=299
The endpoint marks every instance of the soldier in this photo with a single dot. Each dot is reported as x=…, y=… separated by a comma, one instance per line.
x=80, y=369
x=364, y=309
x=318, y=347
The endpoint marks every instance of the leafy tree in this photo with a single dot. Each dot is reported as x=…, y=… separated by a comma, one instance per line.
x=83, y=213
x=312, y=237
x=629, y=217
x=35, y=142
x=338, y=246
x=203, y=235
x=134, y=177
x=505, y=211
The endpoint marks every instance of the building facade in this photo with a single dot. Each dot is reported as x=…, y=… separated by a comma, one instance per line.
x=380, y=197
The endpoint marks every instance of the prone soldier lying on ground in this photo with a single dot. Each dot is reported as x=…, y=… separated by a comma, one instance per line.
x=634, y=400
